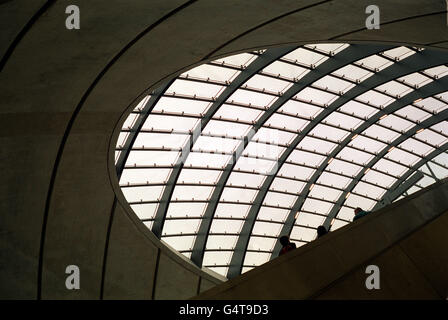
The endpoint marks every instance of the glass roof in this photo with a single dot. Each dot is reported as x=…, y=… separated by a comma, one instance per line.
x=222, y=160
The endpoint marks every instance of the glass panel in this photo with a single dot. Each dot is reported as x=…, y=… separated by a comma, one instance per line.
x=415, y=79
x=342, y=167
x=223, y=128
x=402, y=156
x=399, y=52
x=180, y=226
x=159, y=140
x=207, y=160
x=287, y=185
x=145, y=210
x=313, y=144
x=286, y=122
x=207, y=71
x=378, y=179
x=346, y=122
x=359, y=109
x=242, y=59
x=286, y=70
x=357, y=201
x=182, y=209
x=333, y=84
x=431, y=137
x=214, y=144
x=237, y=113
x=193, y=88
x=413, y=113
x=417, y=147
x=228, y=226
x=316, y=96
x=279, y=199
x=300, y=109
x=180, y=243
x=331, y=179
x=256, y=258
x=159, y=122
x=141, y=176
x=353, y=73
x=273, y=214
x=439, y=71
x=221, y=242
x=317, y=206
x=191, y=193
x=177, y=105
x=380, y=133
x=355, y=156
x=327, y=132
x=198, y=176
x=326, y=193
x=366, y=143
x=245, y=179
x=262, y=166
x=311, y=220
x=305, y=57
x=238, y=195
x=390, y=167
x=231, y=210
x=396, y=123
x=267, y=83
x=273, y=136
x=259, y=243
x=431, y=105
x=337, y=224
x=374, y=98
x=374, y=62
x=394, y=88
x=138, y=194
x=266, y=228
x=303, y=157
x=304, y=234
x=345, y=213
x=249, y=97
x=216, y=258
x=296, y=172
x=365, y=189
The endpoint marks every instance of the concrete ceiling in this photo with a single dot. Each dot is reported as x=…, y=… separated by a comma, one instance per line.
x=63, y=93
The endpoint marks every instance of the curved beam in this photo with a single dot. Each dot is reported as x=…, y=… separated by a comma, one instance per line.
x=418, y=61
x=253, y=68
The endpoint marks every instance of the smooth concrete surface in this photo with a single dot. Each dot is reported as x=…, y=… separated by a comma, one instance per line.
x=65, y=93
x=406, y=240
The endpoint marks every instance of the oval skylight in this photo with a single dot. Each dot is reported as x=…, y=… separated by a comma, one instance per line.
x=222, y=160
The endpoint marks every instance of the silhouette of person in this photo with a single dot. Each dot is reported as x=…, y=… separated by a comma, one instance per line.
x=286, y=245
x=321, y=231
x=359, y=213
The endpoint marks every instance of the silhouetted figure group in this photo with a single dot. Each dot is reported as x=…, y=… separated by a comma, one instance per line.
x=287, y=245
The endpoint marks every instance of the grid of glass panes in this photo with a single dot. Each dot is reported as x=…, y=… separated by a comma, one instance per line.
x=162, y=149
